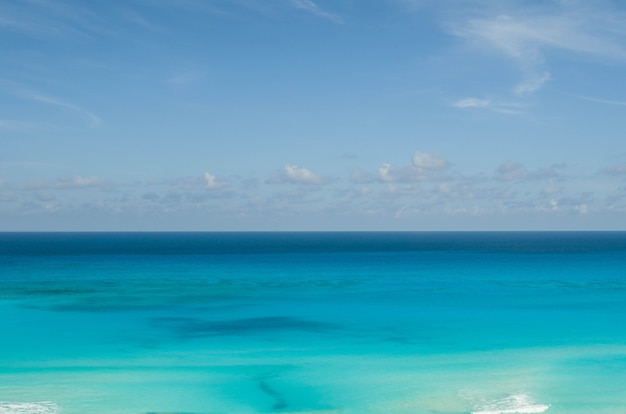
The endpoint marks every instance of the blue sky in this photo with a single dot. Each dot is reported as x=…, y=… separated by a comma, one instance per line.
x=312, y=115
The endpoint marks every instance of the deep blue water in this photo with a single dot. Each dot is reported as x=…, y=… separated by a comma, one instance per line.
x=313, y=323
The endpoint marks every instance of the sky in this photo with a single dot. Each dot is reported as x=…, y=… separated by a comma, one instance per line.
x=288, y=115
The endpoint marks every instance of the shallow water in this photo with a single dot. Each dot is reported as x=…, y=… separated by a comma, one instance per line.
x=198, y=323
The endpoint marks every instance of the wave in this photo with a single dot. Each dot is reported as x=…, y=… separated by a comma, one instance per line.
x=511, y=404
x=44, y=407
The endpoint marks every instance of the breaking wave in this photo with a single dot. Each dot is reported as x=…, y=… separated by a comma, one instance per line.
x=511, y=404
x=44, y=407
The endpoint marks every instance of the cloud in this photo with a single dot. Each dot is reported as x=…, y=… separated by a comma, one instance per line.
x=361, y=177
x=138, y=20
x=300, y=175
x=62, y=183
x=193, y=183
x=511, y=171
x=428, y=162
x=54, y=18
x=415, y=5
x=150, y=196
x=384, y=172
x=477, y=103
x=471, y=103
x=423, y=166
x=79, y=181
x=187, y=74
x=604, y=101
x=13, y=125
x=212, y=182
x=33, y=96
x=514, y=171
x=532, y=84
x=311, y=7
x=527, y=34
x=551, y=188
x=616, y=170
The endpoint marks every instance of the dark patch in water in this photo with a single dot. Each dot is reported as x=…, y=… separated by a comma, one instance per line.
x=279, y=400
x=190, y=327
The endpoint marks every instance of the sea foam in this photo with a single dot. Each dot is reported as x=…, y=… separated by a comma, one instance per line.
x=44, y=407
x=511, y=404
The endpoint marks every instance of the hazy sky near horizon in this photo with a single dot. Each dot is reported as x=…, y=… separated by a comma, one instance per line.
x=312, y=115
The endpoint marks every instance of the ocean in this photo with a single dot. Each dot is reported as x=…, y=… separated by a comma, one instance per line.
x=348, y=322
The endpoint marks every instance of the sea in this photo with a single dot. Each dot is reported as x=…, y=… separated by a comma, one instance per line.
x=313, y=322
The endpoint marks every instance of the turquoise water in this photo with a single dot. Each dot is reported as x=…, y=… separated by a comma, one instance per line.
x=199, y=323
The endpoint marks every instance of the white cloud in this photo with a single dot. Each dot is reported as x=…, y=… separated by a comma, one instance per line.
x=384, y=172
x=471, y=103
x=423, y=167
x=527, y=34
x=212, y=182
x=300, y=175
x=604, y=101
x=532, y=84
x=428, y=162
x=501, y=107
x=311, y=7
x=79, y=181
x=93, y=119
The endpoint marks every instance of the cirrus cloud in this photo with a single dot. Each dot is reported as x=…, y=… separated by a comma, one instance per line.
x=529, y=35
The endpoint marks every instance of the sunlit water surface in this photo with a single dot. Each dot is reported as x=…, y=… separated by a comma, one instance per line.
x=199, y=323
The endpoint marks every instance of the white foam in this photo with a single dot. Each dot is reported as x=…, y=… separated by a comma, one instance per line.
x=44, y=407
x=511, y=404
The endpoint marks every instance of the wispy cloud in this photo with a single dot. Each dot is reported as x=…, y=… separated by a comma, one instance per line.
x=528, y=34
x=532, y=83
x=603, y=101
x=138, y=20
x=478, y=103
x=186, y=76
x=14, y=125
x=472, y=103
x=311, y=7
x=56, y=18
x=37, y=97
